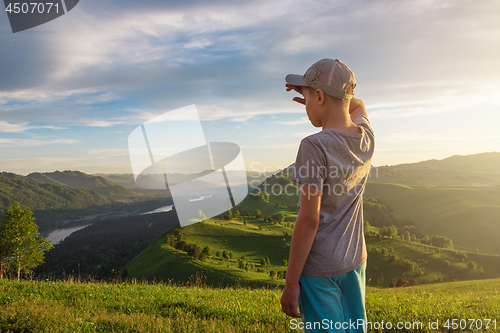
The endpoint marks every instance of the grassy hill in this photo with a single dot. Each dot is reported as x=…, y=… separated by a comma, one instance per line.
x=40, y=196
x=77, y=179
x=64, y=198
x=480, y=170
x=433, y=211
x=469, y=216
x=430, y=264
x=392, y=259
x=477, y=163
x=30, y=306
x=162, y=262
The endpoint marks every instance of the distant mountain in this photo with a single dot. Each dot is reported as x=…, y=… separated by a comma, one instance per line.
x=43, y=195
x=478, y=163
x=254, y=179
x=79, y=179
x=477, y=170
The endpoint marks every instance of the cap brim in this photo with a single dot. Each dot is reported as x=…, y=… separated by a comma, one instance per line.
x=296, y=80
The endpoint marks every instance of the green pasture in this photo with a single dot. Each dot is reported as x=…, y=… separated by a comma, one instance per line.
x=469, y=216
x=31, y=306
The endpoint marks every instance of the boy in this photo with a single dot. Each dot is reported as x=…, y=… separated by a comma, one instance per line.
x=326, y=268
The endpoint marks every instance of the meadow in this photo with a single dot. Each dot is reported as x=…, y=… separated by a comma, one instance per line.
x=469, y=216
x=248, y=240
x=69, y=306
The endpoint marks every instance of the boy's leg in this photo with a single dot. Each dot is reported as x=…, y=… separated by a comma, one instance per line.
x=352, y=285
x=335, y=304
x=320, y=303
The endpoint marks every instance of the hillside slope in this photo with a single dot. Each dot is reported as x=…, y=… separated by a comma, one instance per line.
x=77, y=179
x=469, y=216
x=43, y=196
x=479, y=170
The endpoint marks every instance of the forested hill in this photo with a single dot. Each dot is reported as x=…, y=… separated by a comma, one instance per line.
x=477, y=163
x=79, y=179
x=479, y=170
x=44, y=196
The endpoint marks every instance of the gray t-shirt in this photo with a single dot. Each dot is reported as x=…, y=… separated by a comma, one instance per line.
x=338, y=163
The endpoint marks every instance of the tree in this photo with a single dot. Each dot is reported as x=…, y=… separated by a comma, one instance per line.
x=207, y=250
x=366, y=227
x=201, y=216
x=22, y=246
x=280, y=217
x=3, y=254
x=263, y=262
x=471, y=266
x=229, y=215
x=257, y=214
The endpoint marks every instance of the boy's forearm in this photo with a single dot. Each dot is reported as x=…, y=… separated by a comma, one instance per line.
x=302, y=239
x=356, y=108
x=355, y=103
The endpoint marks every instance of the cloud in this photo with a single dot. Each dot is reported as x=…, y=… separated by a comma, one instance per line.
x=120, y=63
x=100, y=123
x=13, y=128
x=21, y=127
x=171, y=54
x=30, y=142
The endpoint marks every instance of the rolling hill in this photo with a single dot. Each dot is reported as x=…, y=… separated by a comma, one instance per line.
x=77, y=179
x=469, y=216
x=416, y=203
x=44, y=196
x=480, y=170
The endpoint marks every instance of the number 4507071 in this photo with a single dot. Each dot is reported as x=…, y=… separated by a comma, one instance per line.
x=32, y=7
x=470, y=324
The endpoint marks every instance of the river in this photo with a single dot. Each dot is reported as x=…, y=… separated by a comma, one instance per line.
x=58, y=235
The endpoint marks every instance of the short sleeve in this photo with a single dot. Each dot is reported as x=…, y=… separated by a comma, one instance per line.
x=310, y=165
x=362, y=120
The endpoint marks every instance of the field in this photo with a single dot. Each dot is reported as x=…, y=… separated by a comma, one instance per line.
x=30, y=306
x=432, y=265
x=248, y=243
x=161, y=262
x=469, y=216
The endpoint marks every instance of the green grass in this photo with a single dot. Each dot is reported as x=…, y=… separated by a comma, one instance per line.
x=431, y=259
x=30, y=306
x=161, y=262
x=469, y=216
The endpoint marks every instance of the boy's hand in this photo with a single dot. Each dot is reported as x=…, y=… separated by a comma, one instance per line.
x=297, y=89
x=290, y=299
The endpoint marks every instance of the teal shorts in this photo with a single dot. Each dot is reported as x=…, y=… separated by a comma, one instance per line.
x=333, y=304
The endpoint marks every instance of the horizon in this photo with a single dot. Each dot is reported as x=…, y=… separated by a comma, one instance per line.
x=266, y=172
x=73, y=89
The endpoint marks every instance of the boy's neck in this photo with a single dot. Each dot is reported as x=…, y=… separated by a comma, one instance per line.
x=338, y=118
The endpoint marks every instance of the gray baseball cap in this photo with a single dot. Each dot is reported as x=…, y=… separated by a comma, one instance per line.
x=331, y=76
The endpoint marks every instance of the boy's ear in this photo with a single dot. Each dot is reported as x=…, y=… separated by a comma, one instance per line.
x=319, y=96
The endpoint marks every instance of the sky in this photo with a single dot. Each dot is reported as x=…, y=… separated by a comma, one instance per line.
x=72, y=90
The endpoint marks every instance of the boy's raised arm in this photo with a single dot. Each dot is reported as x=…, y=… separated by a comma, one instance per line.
x=356, y=108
